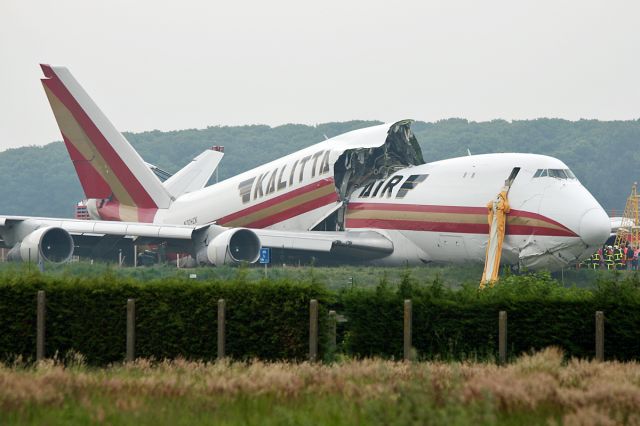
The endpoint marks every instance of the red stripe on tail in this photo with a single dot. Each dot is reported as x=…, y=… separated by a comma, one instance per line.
x=93, y=184
x=115, y=163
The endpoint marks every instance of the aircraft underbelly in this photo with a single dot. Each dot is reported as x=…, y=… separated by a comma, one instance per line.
x=532, y=252
x=449, y=247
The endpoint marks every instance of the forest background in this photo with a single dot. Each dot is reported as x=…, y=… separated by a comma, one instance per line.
x=604, y=155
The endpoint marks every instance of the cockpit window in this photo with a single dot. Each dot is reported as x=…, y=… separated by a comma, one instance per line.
x=555, y=173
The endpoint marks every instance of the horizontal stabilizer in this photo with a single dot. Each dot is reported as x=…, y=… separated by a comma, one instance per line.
x=194, y=175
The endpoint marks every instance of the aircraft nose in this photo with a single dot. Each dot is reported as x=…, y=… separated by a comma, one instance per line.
x=595, y=227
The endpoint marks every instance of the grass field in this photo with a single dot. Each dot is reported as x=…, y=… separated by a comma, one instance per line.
x=542, y=388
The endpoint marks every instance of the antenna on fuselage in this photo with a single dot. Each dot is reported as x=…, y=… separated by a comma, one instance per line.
x=468, y=152
x=511, y=178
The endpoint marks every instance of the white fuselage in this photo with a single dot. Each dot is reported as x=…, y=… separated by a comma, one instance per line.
x=440, y=219
x=553, y=221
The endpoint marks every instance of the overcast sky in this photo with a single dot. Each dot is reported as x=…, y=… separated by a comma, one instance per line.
x=189, y=64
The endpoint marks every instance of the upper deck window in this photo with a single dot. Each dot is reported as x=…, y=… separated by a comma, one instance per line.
x=555, y=173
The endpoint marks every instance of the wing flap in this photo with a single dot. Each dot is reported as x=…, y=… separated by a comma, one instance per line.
x=295, y=241
x=347, y=245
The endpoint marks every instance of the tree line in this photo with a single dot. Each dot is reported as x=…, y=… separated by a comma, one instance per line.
x=604, y=155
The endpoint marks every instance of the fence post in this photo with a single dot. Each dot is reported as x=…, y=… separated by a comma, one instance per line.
x=41, y=312
x=313, y=330
x=333, y=320
x=131, y=330
x=408, y=325
x=599, y=336
x=221, y=327
x=502, y=337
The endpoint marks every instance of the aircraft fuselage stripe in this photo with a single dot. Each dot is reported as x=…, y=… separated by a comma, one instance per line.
x=462, y=228
x=417, y=208
x=285, y=206
x=459, y=219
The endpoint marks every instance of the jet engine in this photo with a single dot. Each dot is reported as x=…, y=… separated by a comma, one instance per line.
x=48, y=243
x=230, y=246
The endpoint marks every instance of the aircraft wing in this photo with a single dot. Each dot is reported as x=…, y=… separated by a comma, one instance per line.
x=53, y=239
x=343, y=246
x=100, y=227
x=94, y=239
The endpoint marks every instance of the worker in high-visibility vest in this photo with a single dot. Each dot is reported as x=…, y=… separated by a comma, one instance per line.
x=595, y=260
x=608, y=259
x=618, y=257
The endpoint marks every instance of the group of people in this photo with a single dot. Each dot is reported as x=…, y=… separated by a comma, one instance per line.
x=614, y=257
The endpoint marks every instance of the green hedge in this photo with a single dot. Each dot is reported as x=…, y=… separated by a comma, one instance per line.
x=269, y=319
x=464, y=323
x=266, y=320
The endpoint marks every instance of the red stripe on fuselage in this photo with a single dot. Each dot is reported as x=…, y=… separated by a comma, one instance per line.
x=417, y=208
x=116, y=164
x=462, y=228
x=289, y=213
x=147, y=215
x=110, y=210
x=523, y=213
x=294, y=211
x=458, y=227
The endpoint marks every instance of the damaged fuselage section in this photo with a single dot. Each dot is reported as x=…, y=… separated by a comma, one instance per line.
x=358, y=167
x=368, y=168
x=311, y=188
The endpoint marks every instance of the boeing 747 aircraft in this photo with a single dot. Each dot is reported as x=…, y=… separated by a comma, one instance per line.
x=363, y=196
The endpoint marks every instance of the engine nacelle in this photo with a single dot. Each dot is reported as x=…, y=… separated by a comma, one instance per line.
x=232, y=246
x=48, y=243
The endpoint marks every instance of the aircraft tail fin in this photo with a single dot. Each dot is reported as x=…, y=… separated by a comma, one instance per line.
x=107, y=165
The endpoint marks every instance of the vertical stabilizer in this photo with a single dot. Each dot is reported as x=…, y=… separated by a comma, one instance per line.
x=106, y=163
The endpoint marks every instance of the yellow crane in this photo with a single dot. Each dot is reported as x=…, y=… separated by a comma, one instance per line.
x=629, y=229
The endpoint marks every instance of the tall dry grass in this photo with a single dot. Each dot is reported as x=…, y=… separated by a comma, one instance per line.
x=543, y=385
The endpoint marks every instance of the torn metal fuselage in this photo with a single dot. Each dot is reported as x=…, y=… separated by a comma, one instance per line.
x=357, y=167
x=306, y=190
x=361, y=166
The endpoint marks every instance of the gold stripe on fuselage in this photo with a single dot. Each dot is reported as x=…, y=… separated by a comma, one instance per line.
x=282, y=206
x=445, y=217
